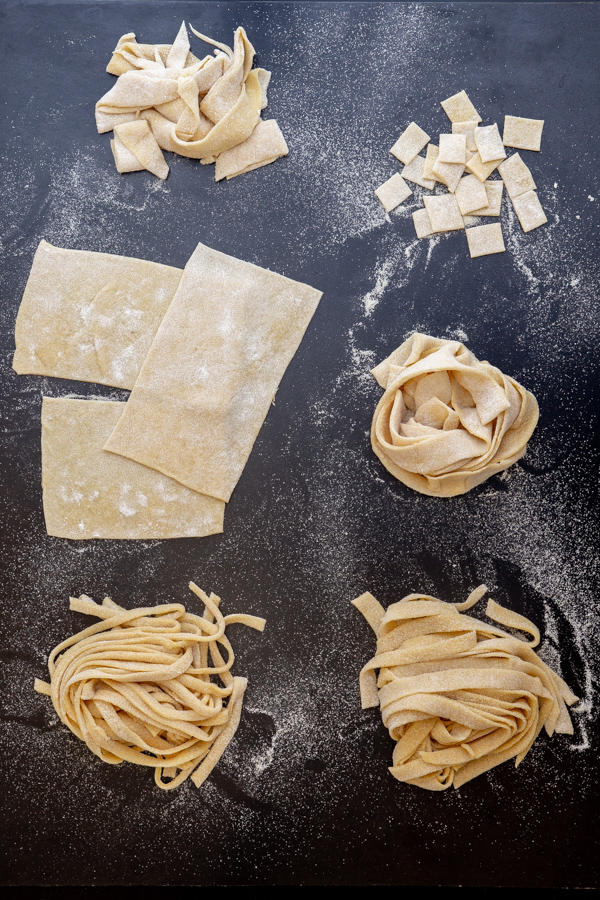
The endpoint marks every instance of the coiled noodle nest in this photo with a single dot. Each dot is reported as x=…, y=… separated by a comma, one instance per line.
x=151, y=686
x=458, y=696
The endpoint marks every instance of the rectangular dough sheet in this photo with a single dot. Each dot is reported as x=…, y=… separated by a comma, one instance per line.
x=90, y=316
x=212, y=372
x=89, y=493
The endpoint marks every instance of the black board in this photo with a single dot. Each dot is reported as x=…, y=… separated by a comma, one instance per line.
x=303, y=795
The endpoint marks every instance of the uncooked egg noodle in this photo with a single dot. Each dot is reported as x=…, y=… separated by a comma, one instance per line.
x=458, y=696
x=142, y=685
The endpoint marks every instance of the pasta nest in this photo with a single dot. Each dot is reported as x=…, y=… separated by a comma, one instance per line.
x=458, y=696
x=447, y=421
x=151, y=686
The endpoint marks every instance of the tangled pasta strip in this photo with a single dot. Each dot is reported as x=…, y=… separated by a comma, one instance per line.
x=143, y=686
x=165, y=98
x=448, y=421
x=458, y=696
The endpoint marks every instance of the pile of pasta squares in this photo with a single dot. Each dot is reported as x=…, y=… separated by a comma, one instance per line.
x=477, y=151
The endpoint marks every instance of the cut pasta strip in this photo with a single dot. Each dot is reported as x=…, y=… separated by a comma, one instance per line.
x=448, y=421
x=138, y=686
x=457, y=695
x=264, y=146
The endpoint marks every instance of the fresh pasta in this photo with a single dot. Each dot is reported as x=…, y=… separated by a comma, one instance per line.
x=458, y=696
x=448, y=421
x=165, y=98
x=151, y=686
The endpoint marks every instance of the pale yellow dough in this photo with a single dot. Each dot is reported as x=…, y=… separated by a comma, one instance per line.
x=90, y=493
x=493, y=190
x=422, y=224
x=415, y=172
x=151, y=686
x=457, y=695
x=264, y=146
x=447, y=421
x=525, y=134
x=137, y=139
x=410, y=143
x=516, y=176
x=444, y=213
x=393, y=192
x=90, y=316
x=484, y=240
x=459, y=108
x=166, y=98
x=212, y=372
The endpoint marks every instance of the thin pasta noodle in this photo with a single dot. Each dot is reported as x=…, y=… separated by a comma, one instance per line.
x=152, y=686
x=457, y=695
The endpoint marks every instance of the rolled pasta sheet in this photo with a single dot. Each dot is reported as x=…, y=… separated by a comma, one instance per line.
x=447, y=421
x=457, y=695
x=151, y=686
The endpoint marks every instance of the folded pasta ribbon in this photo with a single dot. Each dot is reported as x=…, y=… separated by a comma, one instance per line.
x=151, y=686
x=199, y=108
x=457, y=695
x=448, y=421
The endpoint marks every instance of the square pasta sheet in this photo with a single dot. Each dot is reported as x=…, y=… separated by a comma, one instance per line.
x=444, y=213
x=213, y=370
x=459, y=108
x=516, y=176
x=470, y=194
x=524, y=134
x=452, y=148
x=493, y=190
x=90, y=316
x=422, y=224
x=393, y=192
x=489, y=143
x=414, y=172
x=484, y=240
x=410, y=143
x=529, y=211
x=90, y=493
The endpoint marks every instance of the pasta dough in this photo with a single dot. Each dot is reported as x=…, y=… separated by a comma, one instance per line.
x=142, y=686
x=165, y=97
x=447, y=421
x=89, y=493
x=457, y=695
x=207, y=383
x=90, y=316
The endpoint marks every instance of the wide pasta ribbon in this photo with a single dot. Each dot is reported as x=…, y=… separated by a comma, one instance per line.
x=448, y=421
x=199, y=108
x=457, y=695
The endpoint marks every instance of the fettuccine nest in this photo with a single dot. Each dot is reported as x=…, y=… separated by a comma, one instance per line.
x=457, y=695
x=151, y=686
x=448, y=421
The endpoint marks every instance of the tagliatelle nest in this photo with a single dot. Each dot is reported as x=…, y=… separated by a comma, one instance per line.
x=447, y=421
x=457, y=695
x=151, y=686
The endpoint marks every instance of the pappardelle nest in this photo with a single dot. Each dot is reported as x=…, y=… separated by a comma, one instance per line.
x=457, y=695
x=448, y=421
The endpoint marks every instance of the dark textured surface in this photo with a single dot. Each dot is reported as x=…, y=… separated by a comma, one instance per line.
x=303, y=794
